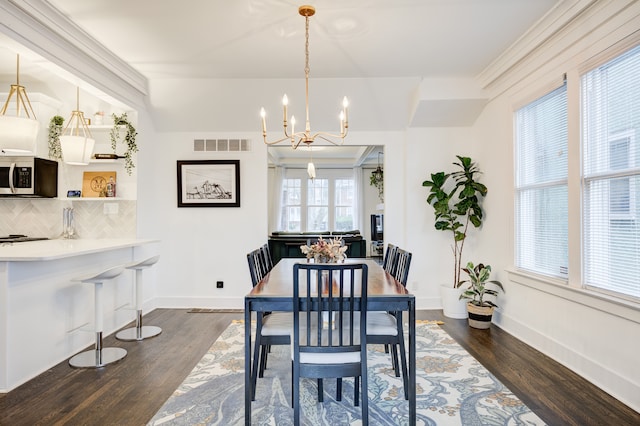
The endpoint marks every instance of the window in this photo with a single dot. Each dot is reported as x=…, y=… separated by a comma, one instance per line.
x=326, y=203
x=611, y=175
x=345, y=192
x=291, y=205
x=541, y=185
x=318, y=205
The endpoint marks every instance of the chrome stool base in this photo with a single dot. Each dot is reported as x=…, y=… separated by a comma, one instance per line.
x=135, y=333
x=96, y=359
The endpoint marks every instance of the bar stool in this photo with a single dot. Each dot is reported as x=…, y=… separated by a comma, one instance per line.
x=99, y=356
x=139, y=332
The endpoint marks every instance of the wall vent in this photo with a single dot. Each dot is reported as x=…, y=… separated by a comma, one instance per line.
x=221, y=145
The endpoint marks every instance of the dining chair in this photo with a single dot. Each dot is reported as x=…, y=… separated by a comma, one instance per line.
x=326, y=340
x=389, y=258
x=272, y=328
x=386, y=327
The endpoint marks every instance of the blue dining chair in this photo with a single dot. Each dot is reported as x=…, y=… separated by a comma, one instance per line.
x=327, y=341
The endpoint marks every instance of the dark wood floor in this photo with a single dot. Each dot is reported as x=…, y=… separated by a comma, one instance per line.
x=132, y=390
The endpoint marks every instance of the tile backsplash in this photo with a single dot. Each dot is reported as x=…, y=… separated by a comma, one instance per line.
x=43, y=217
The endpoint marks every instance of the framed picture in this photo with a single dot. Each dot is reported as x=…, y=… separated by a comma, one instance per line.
x=209, y=183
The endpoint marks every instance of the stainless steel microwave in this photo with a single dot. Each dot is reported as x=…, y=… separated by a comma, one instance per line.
x=28, y=177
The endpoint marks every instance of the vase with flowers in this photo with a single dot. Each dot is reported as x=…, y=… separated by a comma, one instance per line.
x=326, y=251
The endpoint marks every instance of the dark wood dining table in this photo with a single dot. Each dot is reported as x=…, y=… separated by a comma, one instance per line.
x=275, y=293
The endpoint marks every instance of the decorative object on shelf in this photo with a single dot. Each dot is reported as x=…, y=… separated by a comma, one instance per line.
x=480, y=310
x=129, y=139
x=76, y=141
x=326, y=251
x=209, y=183
x=111, y=187
x=94, y=184
x=55, y=131
x=18, y=132
x=458, y=206
x=306, y=136
x=98, y=118
x=377, y=179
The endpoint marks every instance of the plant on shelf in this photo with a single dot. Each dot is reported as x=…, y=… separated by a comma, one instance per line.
x=55, y=130
x=120, y=121
x=480, y=310
x=456, y=205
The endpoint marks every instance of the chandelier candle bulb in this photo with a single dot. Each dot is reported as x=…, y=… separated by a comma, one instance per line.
x=264, y=121
x=285, y=102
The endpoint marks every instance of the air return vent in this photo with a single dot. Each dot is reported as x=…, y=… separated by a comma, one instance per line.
x=222, y=145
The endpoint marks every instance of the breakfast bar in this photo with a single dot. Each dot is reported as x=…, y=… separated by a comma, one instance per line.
x=45, y=317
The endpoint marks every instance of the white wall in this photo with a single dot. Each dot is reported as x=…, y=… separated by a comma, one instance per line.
x=593, y=335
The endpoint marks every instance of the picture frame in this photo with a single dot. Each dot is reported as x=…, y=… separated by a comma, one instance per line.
x=208, y=183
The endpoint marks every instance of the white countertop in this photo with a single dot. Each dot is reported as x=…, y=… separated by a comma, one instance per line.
x=59, y=249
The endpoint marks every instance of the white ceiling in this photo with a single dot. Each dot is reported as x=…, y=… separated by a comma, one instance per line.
x=261, y=39
x=208, y=62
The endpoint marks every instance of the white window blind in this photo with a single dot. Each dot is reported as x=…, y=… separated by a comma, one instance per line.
x=611, y=176
x=541, y=185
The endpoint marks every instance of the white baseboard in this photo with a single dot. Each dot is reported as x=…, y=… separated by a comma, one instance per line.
x=609, y=381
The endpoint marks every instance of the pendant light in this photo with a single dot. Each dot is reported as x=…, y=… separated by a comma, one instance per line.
x=18, y=132
x=307, y=137
x=76, y=141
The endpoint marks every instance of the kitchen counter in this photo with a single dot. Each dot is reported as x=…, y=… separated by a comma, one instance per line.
x=46, y=316
x=58, y=249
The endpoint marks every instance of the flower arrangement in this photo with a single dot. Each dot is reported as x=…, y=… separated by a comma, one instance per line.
x=326, y=251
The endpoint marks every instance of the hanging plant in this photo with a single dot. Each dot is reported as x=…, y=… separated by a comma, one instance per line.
x=377, y=179
x=55, y=130
x=120, y=121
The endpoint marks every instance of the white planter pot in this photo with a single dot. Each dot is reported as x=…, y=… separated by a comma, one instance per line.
x=452, y=306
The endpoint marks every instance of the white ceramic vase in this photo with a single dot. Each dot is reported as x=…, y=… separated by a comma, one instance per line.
x=452, y=306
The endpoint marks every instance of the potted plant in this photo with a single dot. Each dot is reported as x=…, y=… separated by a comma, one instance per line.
x=55, y=130
x=480, y=310
x=377, y=180
x=120, y=121
x=457, y=205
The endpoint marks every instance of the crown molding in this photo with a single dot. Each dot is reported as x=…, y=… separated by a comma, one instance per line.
x=551, y=24
x=40, y=27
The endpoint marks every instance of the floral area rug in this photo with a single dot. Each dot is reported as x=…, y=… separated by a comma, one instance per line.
x=452, y=389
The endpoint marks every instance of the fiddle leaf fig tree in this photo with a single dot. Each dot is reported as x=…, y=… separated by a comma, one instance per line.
x=456, y=200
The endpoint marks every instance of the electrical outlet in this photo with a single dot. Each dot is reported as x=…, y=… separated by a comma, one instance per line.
x=219, y=284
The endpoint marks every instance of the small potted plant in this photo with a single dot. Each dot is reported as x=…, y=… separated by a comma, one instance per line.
x=55, y=130
x=122, y=121
x=480, y=310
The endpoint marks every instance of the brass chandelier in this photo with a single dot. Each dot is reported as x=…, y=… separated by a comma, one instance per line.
x=306, y=136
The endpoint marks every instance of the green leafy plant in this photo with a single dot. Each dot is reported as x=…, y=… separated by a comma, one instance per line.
x=457, y=204
x=129, y=139
x=55, y=131
x=377, y=179
x=477, y=289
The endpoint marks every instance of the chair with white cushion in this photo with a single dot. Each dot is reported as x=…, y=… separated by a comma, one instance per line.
x=99, y=356
x=139, y=332
x=272, y=328
x=325, y=341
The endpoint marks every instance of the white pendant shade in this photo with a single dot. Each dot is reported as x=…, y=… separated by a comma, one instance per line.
x=311, y=170
x=77, y=150
x=18, y=134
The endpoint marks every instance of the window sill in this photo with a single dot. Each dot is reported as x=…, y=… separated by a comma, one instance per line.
x=559, y=288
